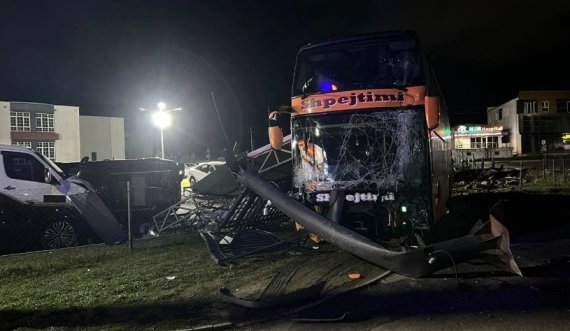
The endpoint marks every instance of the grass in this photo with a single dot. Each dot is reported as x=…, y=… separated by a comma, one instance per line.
x=108, y=287
x=540, y=183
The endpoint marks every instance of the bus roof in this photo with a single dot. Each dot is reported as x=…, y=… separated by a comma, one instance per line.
x=386, y=35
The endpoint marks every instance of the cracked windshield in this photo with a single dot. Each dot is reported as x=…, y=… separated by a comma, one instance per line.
x=363, y=150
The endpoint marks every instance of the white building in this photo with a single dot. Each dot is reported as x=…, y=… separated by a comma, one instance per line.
x=477, y=141
x=55, y=131
x=532, y=118
x=102, y=137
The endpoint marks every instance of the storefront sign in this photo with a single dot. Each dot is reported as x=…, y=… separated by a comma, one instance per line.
x=477, y=129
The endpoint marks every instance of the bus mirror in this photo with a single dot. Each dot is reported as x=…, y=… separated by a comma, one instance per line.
x=276, y=137
x=275, y=131
x=432, y=105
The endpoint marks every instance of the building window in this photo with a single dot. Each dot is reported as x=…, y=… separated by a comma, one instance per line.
x=545, y=105
x=484, y=142
x=500, y=114
x=44, y=122
x=476, y=143
x=529, y=107
x=27, y=144
x=563, y=105
x=47, y=148
x=19, y=121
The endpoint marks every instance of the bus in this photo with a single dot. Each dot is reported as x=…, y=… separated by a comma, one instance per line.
x=371, y=142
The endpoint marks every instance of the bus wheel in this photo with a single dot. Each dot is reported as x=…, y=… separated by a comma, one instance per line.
x=59, y=234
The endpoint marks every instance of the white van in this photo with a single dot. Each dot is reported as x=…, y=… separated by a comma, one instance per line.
x=42, y=206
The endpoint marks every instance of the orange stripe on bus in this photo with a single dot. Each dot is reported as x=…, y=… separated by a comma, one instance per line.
x=358, y=99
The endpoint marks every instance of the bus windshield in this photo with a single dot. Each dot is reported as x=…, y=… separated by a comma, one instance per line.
x=360, y=150
x=358, y=65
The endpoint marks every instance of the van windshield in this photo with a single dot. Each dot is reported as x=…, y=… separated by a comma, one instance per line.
x=52, y=165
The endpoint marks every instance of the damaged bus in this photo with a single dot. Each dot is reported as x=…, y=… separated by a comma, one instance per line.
x=371, y=163
x=370, y=136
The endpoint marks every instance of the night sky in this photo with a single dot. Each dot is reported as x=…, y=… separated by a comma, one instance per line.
x=112, y=57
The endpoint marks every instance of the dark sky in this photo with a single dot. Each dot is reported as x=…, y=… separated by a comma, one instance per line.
x=112, y=57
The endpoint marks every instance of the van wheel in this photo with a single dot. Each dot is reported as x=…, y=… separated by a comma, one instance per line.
x=59, y=234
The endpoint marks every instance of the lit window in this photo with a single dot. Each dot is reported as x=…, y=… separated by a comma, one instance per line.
x=545, y=105
x=19, y=121
x=27, y=144
x=44, y=122
x=476, y=143
x=47, y=148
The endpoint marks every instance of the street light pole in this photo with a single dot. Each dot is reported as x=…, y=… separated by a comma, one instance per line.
x=161, y=124
x=162, y=120
x=162, y=142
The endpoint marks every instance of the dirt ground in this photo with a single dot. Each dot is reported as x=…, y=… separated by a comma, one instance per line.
x=479, y=300
x=105, y=288
x=109, y=288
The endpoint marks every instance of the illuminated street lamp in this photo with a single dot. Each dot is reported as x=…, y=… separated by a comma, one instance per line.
x=162, y=119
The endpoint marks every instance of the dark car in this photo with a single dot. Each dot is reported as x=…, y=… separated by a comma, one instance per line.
x=154, y=185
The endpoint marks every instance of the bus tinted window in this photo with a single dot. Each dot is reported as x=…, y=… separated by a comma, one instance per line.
x=352, y=66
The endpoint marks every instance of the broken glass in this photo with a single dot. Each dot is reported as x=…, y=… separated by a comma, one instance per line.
x=372, y=150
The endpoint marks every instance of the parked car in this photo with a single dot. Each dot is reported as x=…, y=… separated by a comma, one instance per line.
x=43, y=207
x=154, y=185
x=198, y=172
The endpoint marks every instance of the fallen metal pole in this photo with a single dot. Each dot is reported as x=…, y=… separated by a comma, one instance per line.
x=413, y=263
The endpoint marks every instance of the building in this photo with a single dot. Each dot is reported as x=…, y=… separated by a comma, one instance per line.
x=102, y=137
x=55, y=131
x=477, y=141
x=534, y=119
